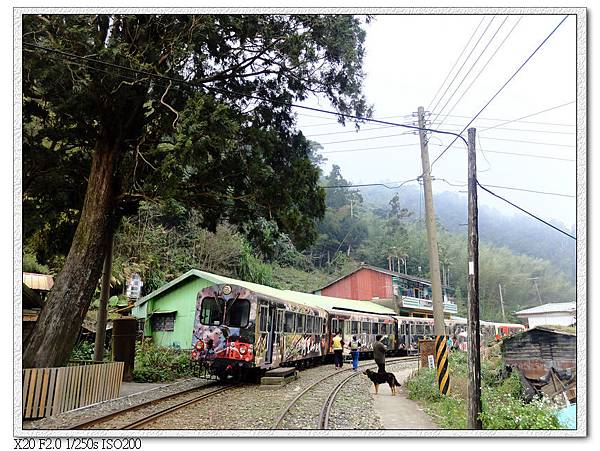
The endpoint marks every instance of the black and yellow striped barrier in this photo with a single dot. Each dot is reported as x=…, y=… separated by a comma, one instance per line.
x=441, y=363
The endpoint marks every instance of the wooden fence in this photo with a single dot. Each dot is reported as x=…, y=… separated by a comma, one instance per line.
x=49, y=391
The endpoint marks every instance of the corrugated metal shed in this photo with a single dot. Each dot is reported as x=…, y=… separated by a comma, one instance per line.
x=41, y=282
x=325, y=302
x=537, y=350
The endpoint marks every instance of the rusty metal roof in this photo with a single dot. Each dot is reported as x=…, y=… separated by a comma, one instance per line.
x=41, y=282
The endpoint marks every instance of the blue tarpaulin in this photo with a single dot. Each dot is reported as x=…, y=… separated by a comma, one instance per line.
x=566, y=417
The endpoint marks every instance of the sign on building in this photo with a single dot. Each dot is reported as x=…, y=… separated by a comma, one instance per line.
x=134, y=287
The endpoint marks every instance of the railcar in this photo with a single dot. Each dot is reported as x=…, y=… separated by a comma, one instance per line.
x=238, y=331
x=365, y=326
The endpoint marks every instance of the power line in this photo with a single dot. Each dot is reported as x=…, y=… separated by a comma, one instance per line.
x=525, y=122
x=468, y=72
x=530, y=191
x=485, y=65
x=367, y=139
x=533, y=114
x=530, y=130
x=528, y=142
x=401, y=183
x=456, y=62
x=502, y=87
x=525, y=211
x=247, y=96
x=360, y=149
x=464, y=62
x=369, y=148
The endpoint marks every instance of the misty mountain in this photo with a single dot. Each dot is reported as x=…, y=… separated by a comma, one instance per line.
x=520, y=232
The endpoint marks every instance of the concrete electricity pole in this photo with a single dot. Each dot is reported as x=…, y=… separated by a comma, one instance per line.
x=441, y=349
x=535, y=279
x=434, y=259
x=473, y=339
x=502, y=303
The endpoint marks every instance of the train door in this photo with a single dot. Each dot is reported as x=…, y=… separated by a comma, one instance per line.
x=271, y=328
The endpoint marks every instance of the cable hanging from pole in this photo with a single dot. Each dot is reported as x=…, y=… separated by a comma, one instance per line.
x=524, y=211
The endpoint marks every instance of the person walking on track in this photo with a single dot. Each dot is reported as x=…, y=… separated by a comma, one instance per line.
x=338, y=346
x=379, y=354
x=354, y=345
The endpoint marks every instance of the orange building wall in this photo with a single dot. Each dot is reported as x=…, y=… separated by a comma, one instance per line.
x=363, y=285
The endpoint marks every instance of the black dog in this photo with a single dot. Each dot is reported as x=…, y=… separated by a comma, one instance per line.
x=383, y=378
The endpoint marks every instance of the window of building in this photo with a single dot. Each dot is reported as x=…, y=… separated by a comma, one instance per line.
x=163, y=322
x=238, y=314
x=210, y=312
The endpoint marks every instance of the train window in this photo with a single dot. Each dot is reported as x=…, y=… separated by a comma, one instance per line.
x=279, y=321
x=384, y=329
x=323, y=325
x=238, y=314
x=264, y=318
x=300, y=319
x=310, y=321
x=354, y=328
x=365, y=328
x=288, y=324
x=419, y=329
x=375, y=328
x=210, y=312
x=334, y=326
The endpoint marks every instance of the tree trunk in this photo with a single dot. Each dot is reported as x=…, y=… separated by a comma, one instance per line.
x=58, y=325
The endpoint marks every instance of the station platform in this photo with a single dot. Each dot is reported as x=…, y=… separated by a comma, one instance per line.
x=399, y=412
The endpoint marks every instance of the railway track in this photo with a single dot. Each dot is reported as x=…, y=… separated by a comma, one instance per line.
x=323, y=419
x=97, y=423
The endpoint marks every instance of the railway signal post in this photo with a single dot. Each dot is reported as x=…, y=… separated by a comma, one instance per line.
x=473, y=339
x=441, y=350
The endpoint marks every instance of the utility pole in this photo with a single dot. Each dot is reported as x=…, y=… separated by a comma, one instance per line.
x=104, y=295
x=502, y=303
x=535, y=279
x=434, y=259
x=473, y=339
x=441, y=349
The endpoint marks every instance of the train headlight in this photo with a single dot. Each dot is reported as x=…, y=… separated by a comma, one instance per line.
x=226, y=290
x=242, y=350
x=232, y=345
x=199, y=345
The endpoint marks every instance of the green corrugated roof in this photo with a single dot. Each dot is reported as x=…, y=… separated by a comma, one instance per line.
x=325, y=302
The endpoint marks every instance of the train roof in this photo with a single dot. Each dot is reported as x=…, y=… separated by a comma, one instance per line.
x=324, y=302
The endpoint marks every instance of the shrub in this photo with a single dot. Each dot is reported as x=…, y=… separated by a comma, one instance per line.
x=502, y=406
x=503, y=411
x=84, y=350
x=157, y=364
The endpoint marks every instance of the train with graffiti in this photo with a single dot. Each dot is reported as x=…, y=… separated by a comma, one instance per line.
x=239, y=331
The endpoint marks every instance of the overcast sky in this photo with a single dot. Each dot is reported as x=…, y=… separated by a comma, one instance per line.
x=407, y=60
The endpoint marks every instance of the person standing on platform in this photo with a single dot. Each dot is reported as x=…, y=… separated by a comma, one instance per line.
x=338, y=347
x=379, y=354
x=354, y=345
